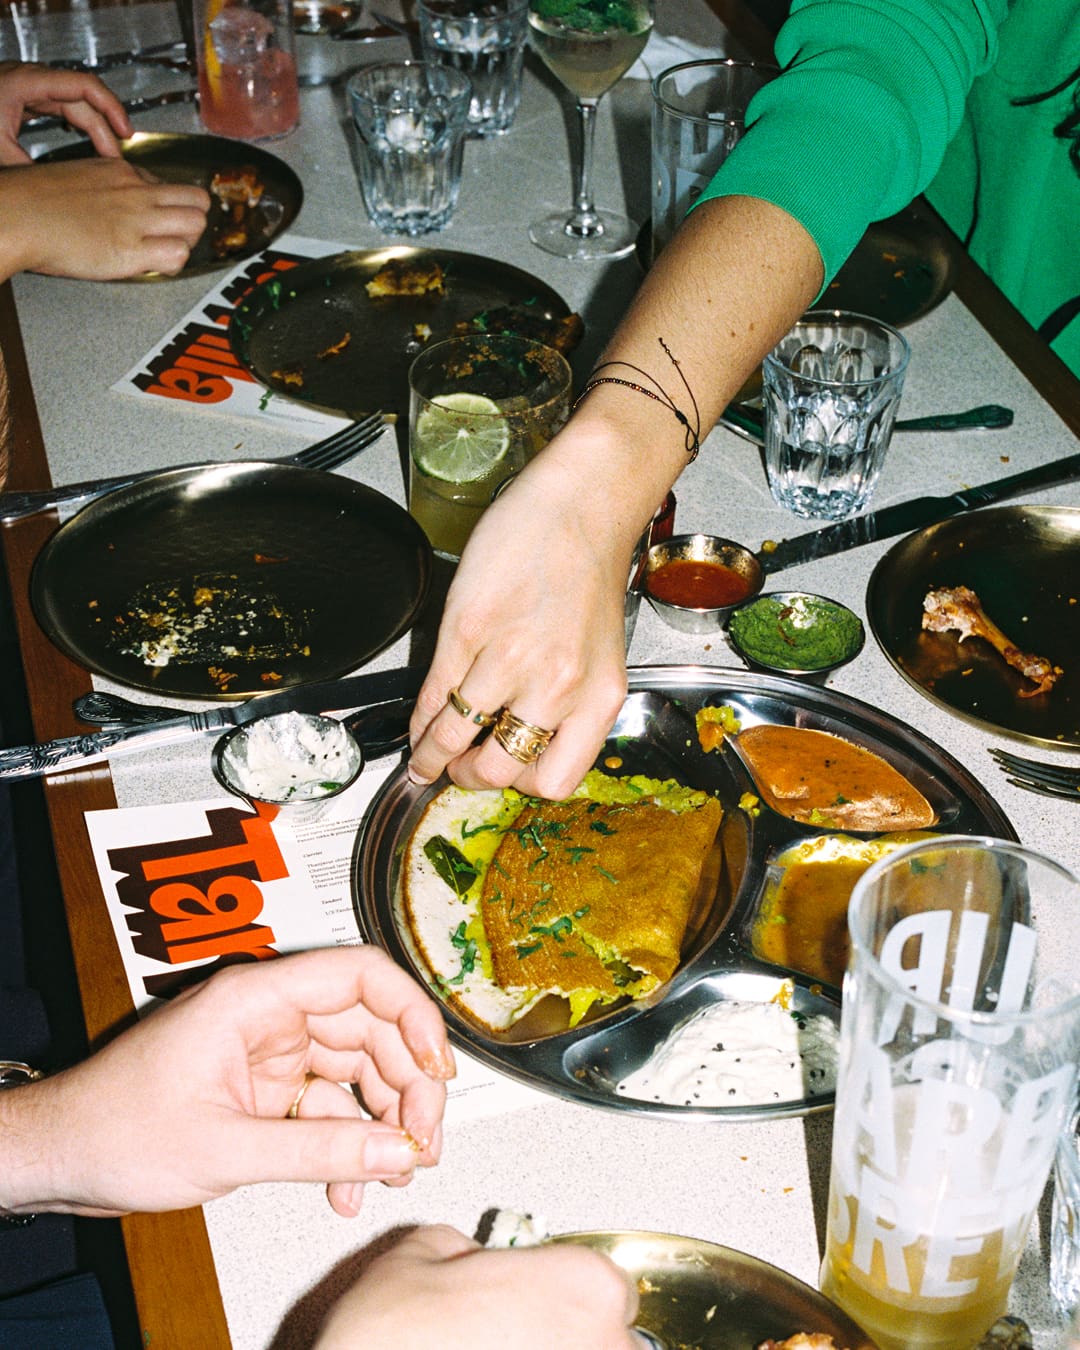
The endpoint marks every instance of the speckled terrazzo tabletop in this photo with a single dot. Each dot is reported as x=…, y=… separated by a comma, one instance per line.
x=281, y=1254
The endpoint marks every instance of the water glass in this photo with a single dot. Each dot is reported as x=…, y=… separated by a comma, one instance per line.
x=410, y=119
x=247, y=68
x=831, y=392
x=1065, y=1223
x=485, y=40
x=698, y=115
x=320, y=57
x=480, y=408
x=959, y=1038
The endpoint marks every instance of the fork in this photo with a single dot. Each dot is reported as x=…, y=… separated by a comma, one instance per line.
x=336, y=449
x=1049, y=780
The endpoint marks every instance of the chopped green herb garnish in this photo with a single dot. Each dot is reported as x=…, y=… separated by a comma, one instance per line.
x=605, y=873
x=602, y=827
x=467, y=833
x=522, y=952
x=578, y=851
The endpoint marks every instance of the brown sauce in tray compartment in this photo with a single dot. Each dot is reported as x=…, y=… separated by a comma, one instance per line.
x=816, y=778
x=802, y=923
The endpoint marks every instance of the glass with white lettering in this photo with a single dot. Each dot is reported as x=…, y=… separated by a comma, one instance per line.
x=958, y=1065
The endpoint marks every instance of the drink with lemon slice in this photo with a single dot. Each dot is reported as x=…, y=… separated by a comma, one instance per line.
x=480, y=408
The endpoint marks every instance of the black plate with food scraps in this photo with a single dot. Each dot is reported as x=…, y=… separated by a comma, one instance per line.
x=900, y=269
x=317, y=336
x=1023, y=562
x=328, y=571
x=179, y=158
x=727, y=933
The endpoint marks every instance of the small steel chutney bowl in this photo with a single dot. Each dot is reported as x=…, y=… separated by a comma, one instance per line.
x=694, y=581
x=296, y=762
x=796, y=633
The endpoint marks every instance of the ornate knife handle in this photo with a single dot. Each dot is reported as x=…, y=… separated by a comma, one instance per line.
x=31, y=761
x=104, y=709
x=71, y=752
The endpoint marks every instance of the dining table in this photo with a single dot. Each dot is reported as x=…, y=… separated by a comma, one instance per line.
x=257, y=1269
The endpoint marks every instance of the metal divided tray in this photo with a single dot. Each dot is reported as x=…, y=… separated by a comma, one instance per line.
x=655, y=735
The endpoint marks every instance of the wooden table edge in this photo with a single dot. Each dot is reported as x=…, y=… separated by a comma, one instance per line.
x=169, y=1255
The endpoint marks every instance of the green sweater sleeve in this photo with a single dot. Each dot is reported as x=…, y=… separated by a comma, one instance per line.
x=870, y=94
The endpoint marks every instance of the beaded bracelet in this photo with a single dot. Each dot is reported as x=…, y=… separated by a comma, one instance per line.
x=693, y=433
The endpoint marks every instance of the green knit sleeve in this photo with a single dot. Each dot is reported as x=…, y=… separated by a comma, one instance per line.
x=870, y=94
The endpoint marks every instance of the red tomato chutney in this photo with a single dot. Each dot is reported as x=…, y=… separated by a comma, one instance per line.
x=698, y=584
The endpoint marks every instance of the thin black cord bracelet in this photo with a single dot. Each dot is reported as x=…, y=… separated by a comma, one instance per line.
x=693, y=433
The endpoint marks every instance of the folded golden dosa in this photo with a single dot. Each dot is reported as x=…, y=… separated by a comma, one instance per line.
x=509, y=898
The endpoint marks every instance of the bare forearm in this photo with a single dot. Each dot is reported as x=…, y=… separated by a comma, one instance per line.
x=733, y=280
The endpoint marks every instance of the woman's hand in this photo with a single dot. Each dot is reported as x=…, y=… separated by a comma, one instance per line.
x=534, y=622
x=194, y=1100
x=79, y=98
x=438, y=1288
x=99, y=219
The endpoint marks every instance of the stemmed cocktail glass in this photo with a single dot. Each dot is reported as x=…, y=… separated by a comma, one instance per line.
x=588, y=45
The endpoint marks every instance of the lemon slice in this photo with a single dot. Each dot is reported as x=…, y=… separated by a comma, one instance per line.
x=460, y=437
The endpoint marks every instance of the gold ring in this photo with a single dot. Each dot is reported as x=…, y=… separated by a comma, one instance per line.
x=294, y=1110
x=464, y=709
x=521, y=740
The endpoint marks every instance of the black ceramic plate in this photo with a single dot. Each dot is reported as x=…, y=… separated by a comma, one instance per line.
x=180, y=158
x=655, y=734
x=1023, y=562
x=346, y=563
x=286, y=322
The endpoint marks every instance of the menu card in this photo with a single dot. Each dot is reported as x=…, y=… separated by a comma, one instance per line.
x=196, y=885
x=194, y=364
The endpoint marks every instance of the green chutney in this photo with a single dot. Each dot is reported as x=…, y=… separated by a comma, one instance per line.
x=796, y=632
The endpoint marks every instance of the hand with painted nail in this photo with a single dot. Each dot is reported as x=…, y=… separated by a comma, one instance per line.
x=237, y=1081
x=436, y=1287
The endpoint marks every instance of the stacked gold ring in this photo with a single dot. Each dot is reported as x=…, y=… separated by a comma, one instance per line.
x=463, y=709
x=521, y=740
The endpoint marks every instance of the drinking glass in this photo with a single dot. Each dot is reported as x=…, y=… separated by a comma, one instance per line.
x=958, y=1062
x=588, y=45
x=698, y=116
x=247, y=68
x=480, y=408
x=832, y=389
x=409, y=120
x=485, y=40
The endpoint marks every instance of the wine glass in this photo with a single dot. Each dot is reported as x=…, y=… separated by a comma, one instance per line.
x=588, y=46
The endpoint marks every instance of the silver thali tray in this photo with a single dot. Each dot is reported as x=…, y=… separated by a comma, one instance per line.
x=696, y=1293
x=655, y=735
x=278, y=331
x=179, y=157
x=1023, y=562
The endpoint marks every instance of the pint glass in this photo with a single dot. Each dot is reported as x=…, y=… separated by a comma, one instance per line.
x=958, y=1066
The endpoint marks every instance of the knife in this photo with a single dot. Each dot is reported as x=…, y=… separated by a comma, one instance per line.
x=72, y=752
x=133, y=105
x=749, y=422
x=913, y=515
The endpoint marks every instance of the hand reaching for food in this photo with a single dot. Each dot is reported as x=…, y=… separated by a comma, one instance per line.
x=958, y=609
x=80, y=99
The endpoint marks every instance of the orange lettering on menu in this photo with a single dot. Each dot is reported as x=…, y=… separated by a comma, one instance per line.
x=260, y=848
x=228, y=904
x=190, y=387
